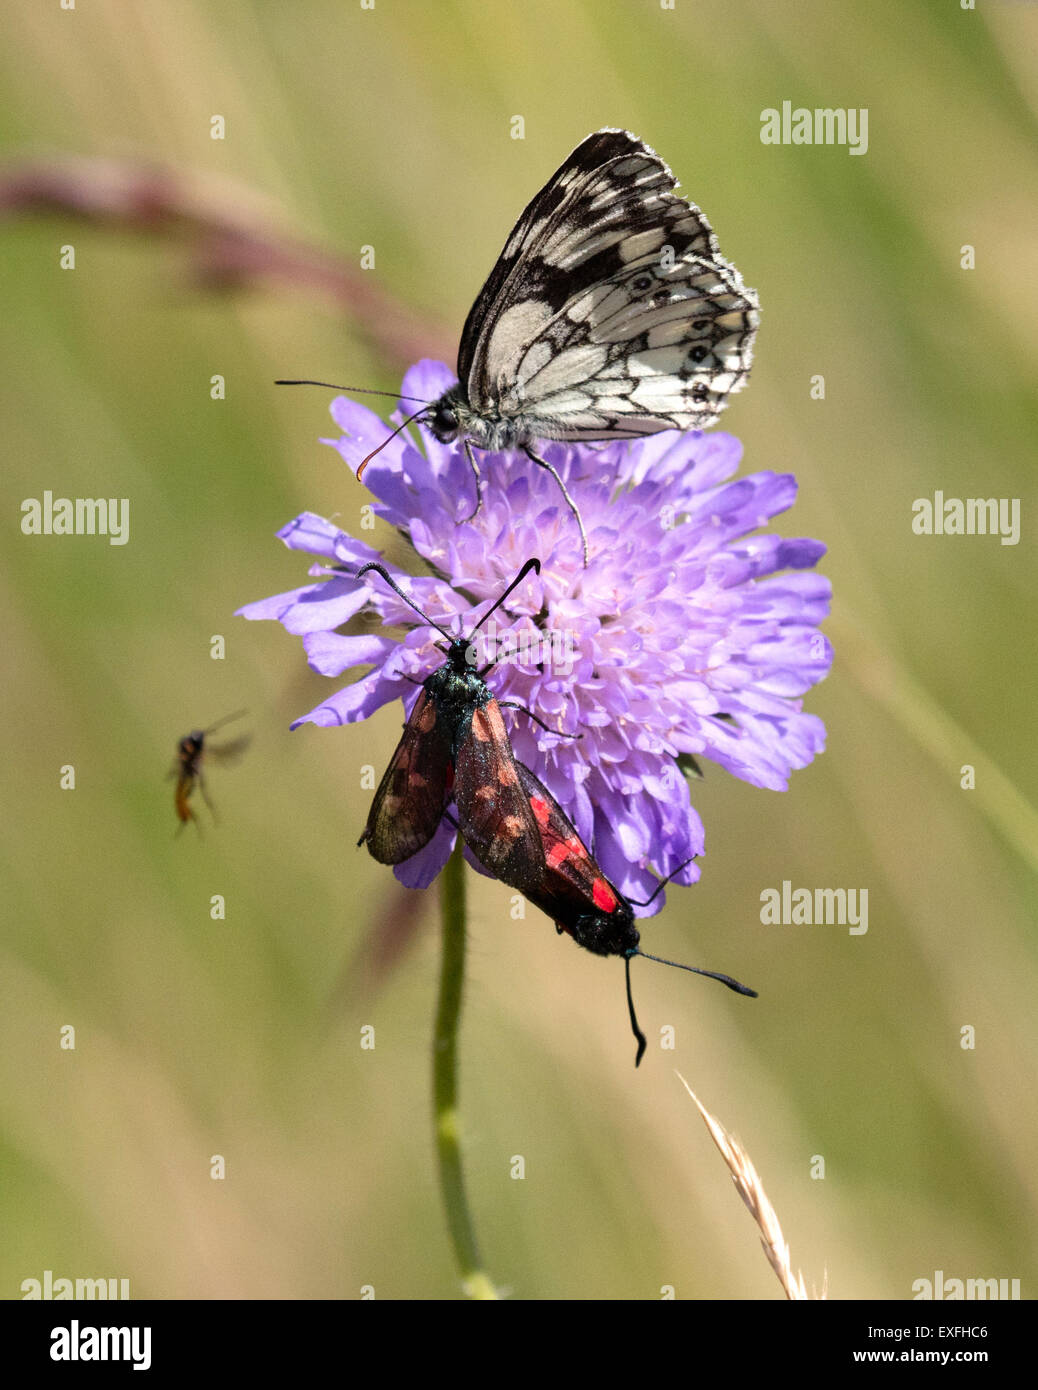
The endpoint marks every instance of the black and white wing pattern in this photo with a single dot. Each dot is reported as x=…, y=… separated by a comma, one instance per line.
x=611, y=311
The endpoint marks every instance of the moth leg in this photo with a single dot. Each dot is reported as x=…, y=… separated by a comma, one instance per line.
x=543, y=463
x=511, y=704
x=470, y=455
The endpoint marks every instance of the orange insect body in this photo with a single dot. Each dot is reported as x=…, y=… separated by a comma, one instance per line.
x=192, y=749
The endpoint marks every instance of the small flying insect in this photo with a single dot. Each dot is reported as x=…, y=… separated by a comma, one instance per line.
x=192, y=749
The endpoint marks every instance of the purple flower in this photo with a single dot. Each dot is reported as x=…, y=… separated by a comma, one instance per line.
x=686, y=634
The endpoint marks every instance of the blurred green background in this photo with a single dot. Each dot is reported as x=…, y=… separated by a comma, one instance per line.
x=390, y=128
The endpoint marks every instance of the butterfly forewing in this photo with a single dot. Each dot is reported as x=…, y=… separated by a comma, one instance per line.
x=611, y=312
x=413, y=794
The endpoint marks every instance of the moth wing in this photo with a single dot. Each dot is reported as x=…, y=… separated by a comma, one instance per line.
x=413, y=793
x=571, y=876
x=494, y=812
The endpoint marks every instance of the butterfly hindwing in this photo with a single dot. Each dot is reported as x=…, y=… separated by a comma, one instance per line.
x=414, y=791
x=652, y=349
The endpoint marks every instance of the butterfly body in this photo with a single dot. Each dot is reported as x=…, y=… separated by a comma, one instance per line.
x=453, y=418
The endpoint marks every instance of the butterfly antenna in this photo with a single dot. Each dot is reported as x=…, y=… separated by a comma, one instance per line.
x=397, y=590
x=533, y=564
x=639, y=1035
x=225, y=720
x=357, y=390
x=388, y=440
x=710, y=974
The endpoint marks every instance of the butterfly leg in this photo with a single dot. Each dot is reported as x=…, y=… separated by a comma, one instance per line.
x=543, y=463
x=470, y=455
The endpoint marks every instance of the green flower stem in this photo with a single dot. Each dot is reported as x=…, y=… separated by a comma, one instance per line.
x=475, y=1280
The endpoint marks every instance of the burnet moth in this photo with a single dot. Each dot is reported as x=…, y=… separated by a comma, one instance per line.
x=192, y=750
x=455, y=747
x=563, y=880
x=455, y=712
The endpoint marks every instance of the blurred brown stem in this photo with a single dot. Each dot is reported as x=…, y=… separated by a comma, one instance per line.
x=229, y=245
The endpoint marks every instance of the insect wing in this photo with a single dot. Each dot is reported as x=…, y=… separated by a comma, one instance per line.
x=228, y=752
x=658, y=346
x=587, y=327
x=494, y=811
x=413, y=794
x=573, y=880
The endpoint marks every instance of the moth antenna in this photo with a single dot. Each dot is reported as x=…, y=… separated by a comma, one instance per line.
x=533, y=564
x=662, y=884
x=389, y=439
x=357, y=390
x=398, y=591
x=523, y=573
x=711, y=974
x=639, y=1035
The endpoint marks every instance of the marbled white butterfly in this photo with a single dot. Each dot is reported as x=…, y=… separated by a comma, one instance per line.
x=610, y=313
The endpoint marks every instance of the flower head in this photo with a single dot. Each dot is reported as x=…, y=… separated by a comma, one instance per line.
x=689, y=633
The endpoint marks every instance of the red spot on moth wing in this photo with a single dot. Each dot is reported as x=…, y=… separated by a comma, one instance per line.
x=560, y=851
x=603, y=896
x=541, y=811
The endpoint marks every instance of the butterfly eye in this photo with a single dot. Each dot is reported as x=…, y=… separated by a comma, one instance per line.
x=443, y=421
